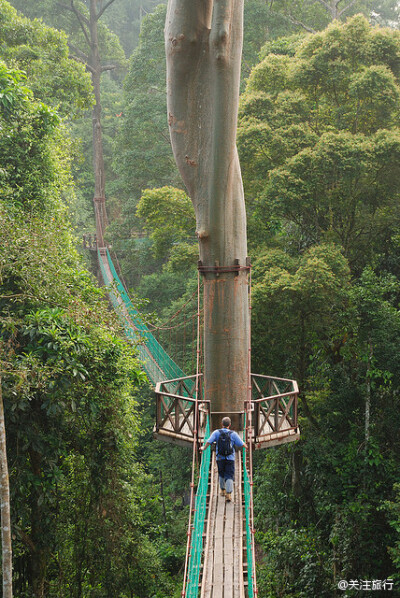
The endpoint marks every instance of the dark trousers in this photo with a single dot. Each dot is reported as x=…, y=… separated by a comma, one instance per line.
x=226, y=472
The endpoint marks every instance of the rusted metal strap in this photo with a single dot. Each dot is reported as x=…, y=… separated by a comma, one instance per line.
x=217, y=269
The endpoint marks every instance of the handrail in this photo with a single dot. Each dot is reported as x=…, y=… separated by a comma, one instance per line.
x=195, y=530
x=274, y=378
x=274, y=414
x=248, y=505
x=157, y=363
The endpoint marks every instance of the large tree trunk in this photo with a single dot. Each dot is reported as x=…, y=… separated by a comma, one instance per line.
x=203, y=47
x=6, y=546
x=98, y=160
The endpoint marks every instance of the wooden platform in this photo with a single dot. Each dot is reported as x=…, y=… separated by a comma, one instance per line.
x=223, y=553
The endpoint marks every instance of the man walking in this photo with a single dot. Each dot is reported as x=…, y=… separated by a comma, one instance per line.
x=226, y=440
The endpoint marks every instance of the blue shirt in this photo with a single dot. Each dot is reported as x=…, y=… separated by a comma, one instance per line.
x=235, y=439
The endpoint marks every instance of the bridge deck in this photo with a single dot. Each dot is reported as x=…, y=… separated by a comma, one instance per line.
x=223, y=554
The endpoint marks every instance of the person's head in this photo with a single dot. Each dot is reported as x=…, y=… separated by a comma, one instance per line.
x=226, y=422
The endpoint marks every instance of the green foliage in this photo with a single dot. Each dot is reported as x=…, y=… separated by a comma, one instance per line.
x=294, y=565
x=122, y=17
x=34, y=168
x=59, y=16
x=318, y=139
x=42, y=52
x=344, y=189
x=313, y=16
x=392, y=507
x=81, y=502
x=168, y=215
x=303, y=295
x=143, y=154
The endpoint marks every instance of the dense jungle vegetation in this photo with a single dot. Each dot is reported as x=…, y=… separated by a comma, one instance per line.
x=98, y=508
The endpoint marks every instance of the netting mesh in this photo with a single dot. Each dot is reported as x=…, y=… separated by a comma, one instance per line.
x=156, y=362
x=249, y=538
x=196, y=543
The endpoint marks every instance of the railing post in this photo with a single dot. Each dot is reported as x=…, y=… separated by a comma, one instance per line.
x=158, y=410
x=276, y=415
x=176, y=403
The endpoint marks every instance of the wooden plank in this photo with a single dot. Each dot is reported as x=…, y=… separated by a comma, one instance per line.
x=223, y=555
x=281, y=438
x=206, y=589
x=206, y=583
x=228, y=548
x=237, y=573
x=239, y=539
x=218, y=567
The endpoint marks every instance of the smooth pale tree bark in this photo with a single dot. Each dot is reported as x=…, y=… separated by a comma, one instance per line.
x=6, y=546
x=203, y=47
x=92, y=59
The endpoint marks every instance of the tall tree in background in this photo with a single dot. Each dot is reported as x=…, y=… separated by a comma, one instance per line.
x=203, y=46
x=93, y=62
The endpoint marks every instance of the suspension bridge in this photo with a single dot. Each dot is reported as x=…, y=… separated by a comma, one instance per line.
x=220, y=555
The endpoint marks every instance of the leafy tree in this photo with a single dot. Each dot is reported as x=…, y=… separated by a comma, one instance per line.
x=68, y=386
x=123, y=18
x=42, y=52
x=318, y=139
x=315, y=15
x=303, y=295
x=168, y=214
x=144, y=157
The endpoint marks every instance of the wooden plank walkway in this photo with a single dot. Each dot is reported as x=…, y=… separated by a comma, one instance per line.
x=223, y=553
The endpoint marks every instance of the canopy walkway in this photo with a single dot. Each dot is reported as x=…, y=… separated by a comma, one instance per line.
x=220, y=552
x=220, y=557
x=156, y=362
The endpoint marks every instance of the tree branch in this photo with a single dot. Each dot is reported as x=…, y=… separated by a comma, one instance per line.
x=72, y=8
x=83, y=21
x=83, y=57
x=300, y=24
x=99, y=15
x=346, y=8
x=108, y=67
x=326, y=5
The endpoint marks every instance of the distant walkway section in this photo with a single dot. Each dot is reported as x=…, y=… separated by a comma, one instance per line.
x=157, y=364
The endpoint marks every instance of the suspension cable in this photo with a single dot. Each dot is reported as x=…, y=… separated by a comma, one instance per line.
x=195, y=436
x=249, y=440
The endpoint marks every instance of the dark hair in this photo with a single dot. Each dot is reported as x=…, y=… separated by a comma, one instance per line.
x=226, y=422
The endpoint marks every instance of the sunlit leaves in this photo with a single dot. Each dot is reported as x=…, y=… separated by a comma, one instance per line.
x=168, y=216
x=42, y=52
x=318, y=138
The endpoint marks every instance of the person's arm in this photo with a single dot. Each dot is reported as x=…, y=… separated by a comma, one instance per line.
x=237, y=441
x=203, y=448
x=212, y=439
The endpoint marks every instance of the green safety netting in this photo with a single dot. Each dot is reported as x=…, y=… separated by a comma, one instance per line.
x=249, y=538
x=196, y=541
x=156, y=362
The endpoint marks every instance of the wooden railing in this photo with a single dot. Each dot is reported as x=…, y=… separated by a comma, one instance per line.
x=181, y=413
x=274, y=403
x=176, y=405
